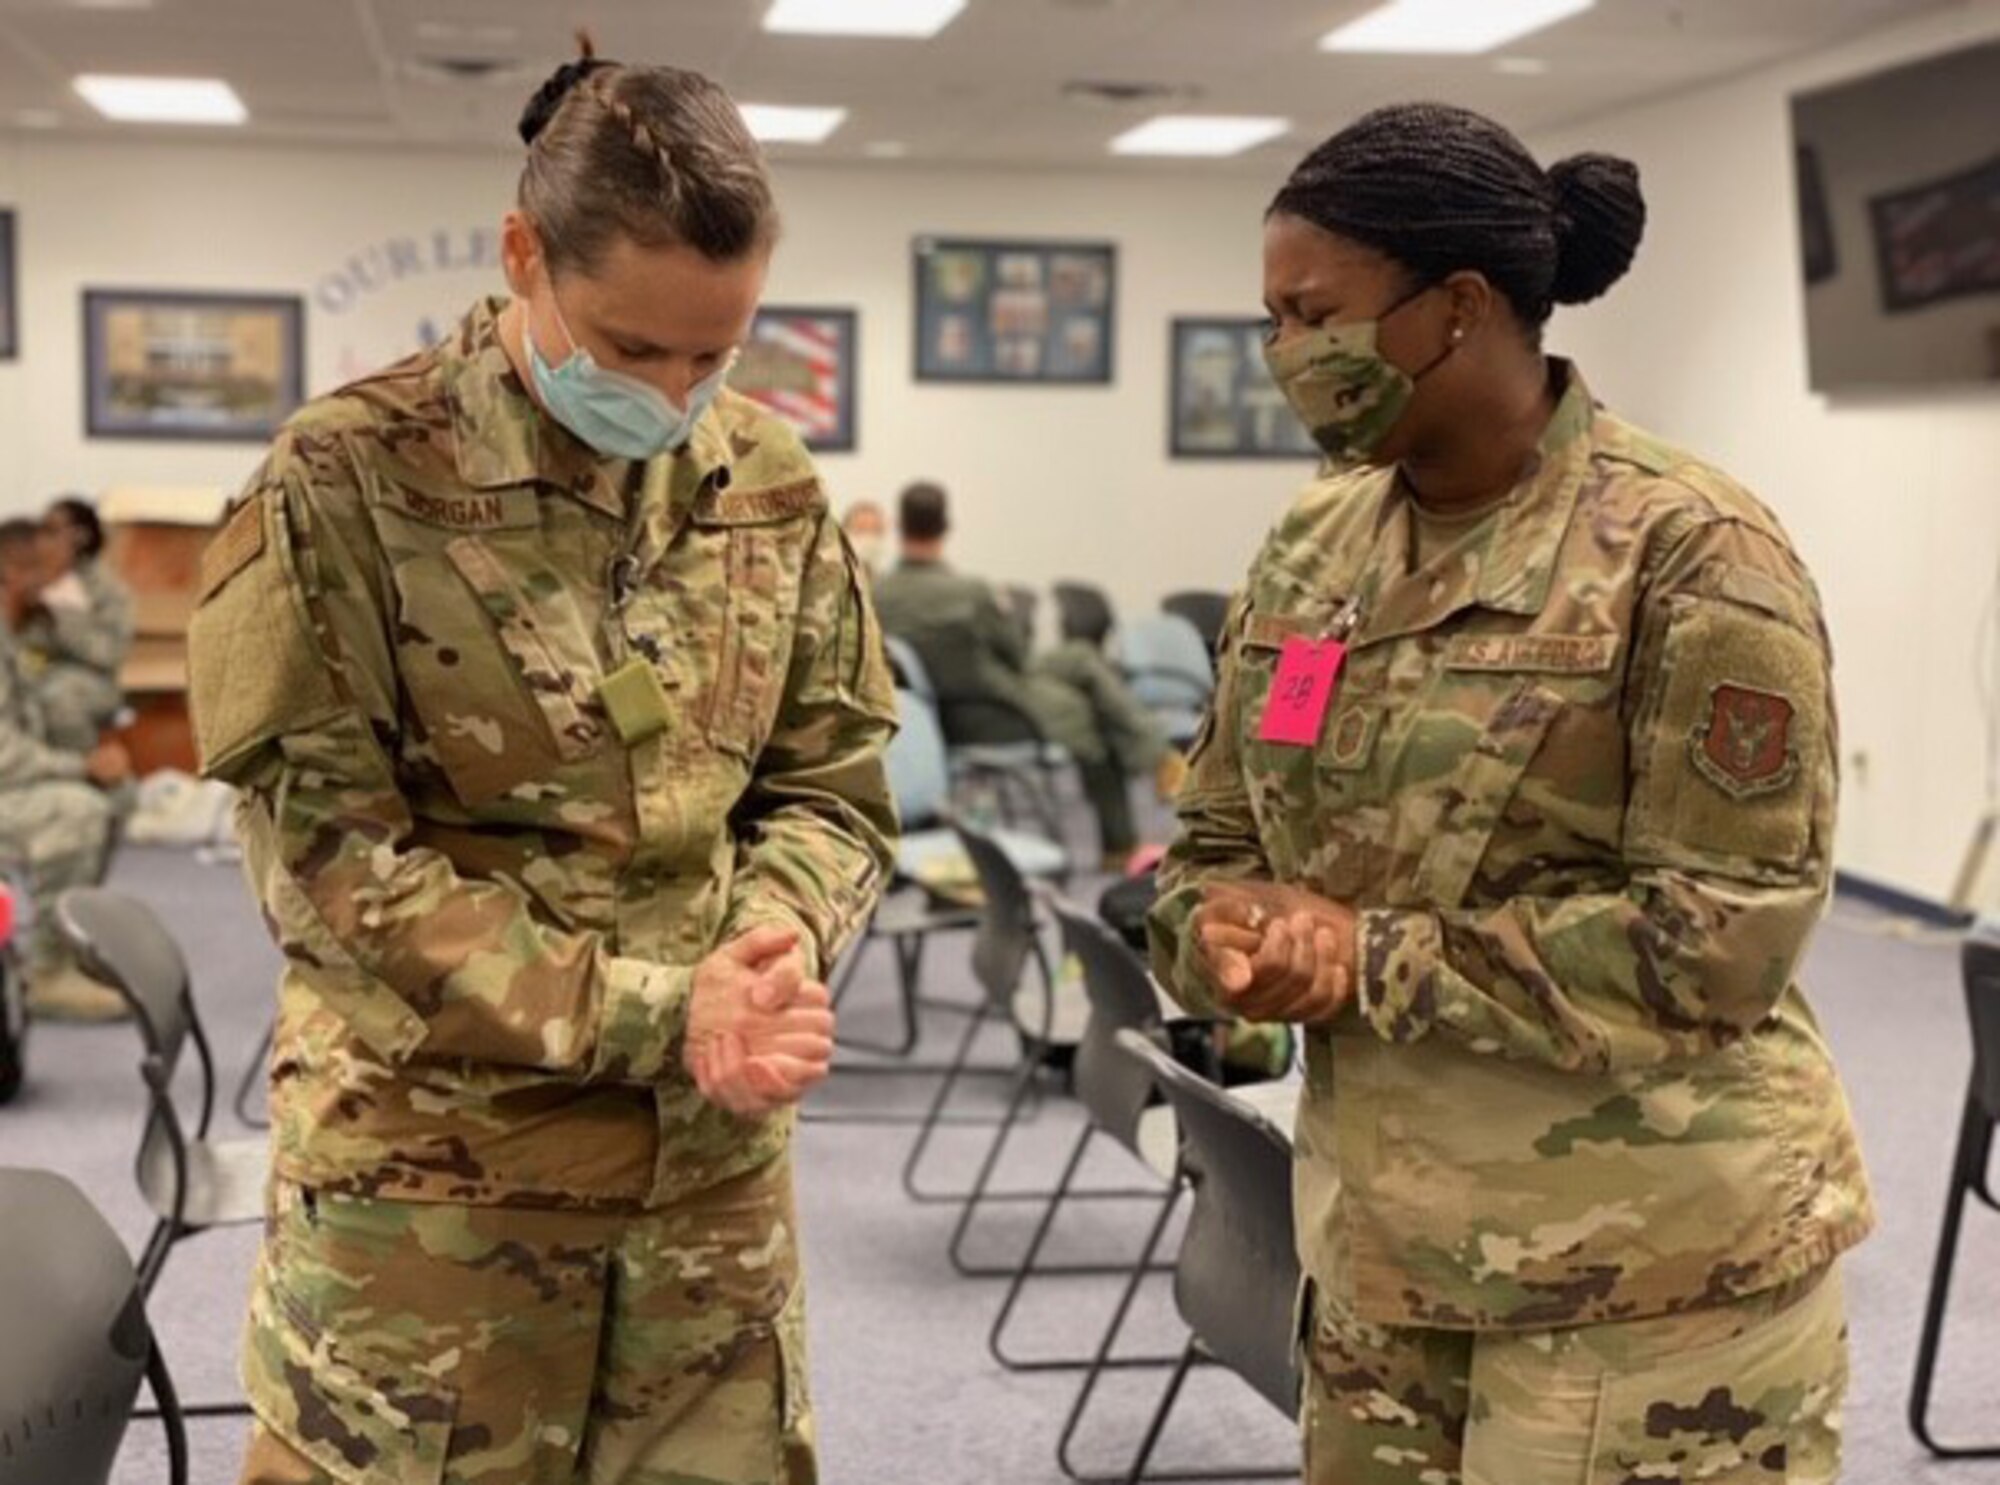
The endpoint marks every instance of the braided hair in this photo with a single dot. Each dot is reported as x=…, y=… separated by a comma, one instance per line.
x=657, y=154
x=1442, y=189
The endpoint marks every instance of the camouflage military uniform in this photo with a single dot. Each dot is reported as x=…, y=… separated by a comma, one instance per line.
x=978, y=660
x=74, y=654
x=54, y=824
x=522, y=734
x=1578, y=780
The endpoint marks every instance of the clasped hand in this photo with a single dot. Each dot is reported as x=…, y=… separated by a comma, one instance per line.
x=759, y=1033
x=1275, y=953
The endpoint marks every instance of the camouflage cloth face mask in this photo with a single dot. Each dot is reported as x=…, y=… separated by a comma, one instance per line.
x=1347, y=393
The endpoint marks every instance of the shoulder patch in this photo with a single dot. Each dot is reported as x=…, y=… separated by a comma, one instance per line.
x=469, y=510
x=239, y=543
x=734, y=507
x=1744, y=746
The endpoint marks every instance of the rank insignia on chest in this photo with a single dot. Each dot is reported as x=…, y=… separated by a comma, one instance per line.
x=1745, y=746
x=1351, y=737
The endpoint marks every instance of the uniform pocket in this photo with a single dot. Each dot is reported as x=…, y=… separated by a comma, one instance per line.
x=361, y=1422
x=749, y=676
x=539, y=627
x=1761, y=1407
x=1479, y=792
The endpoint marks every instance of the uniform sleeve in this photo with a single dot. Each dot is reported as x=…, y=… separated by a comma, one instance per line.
x=98, y=636
x=294, y=692
x=25, y=758
x=1217, y=840
x=1727, y=838
x=816, y=829
x=1000, y=634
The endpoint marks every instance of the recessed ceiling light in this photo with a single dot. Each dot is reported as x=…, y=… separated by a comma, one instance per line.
x=1520, y=66
x=777, y=123
x=163, y=100
x=920, y=19
x=1462, y=26
x=886, y=149
x=1197, y=134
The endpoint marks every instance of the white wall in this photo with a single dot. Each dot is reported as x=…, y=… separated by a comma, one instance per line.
x=1895, y=501
x=1048, y=482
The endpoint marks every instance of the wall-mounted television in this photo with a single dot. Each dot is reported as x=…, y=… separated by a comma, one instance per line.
x=1898, y=181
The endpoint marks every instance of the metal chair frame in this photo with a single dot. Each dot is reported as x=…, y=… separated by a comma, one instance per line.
x=1970, y=1178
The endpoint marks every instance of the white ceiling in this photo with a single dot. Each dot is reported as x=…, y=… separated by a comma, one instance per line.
x=989, y=90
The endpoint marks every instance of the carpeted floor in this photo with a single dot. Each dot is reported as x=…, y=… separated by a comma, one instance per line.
x=904, y=1388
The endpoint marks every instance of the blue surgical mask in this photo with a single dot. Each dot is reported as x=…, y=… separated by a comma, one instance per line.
x=618, y=415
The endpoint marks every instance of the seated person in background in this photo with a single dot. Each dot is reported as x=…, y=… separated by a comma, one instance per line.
x=976, y=653
x=867, y=528
x=55, y=818
x=79, y=629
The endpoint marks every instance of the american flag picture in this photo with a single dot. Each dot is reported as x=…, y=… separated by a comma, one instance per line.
x=799, y=363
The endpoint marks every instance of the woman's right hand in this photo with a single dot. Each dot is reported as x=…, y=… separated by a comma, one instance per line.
x=759, y=1033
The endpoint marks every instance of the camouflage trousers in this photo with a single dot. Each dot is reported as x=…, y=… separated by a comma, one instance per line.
x=1085, y=705
x=54, y=835
x=1747, y=1393
x=400, y=1343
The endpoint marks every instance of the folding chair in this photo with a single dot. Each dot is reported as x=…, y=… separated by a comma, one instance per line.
x=1117, y=1092
x=1980, y=961
x=911, y=913
x=1048, y=1027
x=1237, y=1277
x=77, y=1340
x=1208, y=611
x=1029, y=762
x=1008, y=938
x=1169, y=671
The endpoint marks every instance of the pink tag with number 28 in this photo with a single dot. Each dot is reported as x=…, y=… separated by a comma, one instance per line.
x=1308, y=674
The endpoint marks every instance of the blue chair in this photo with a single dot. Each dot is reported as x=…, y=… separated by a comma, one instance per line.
x=1028, y=766
x=1169, y=670
x=919, y=779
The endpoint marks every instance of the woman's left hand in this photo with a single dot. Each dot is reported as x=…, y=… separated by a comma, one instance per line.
x=1277, y=953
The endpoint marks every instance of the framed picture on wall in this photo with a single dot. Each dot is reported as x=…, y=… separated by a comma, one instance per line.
x=10, y=297
x=1015, y=311
x=173, y=365
x=1940, y=239
x=800, y=363
x=1815, y=223
x=1222, y=401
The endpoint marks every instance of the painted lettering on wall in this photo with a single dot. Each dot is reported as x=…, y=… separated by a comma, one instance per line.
x=397, y=259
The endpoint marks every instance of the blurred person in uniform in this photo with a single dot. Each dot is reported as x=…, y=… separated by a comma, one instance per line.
x=55, y=813
x=976, y=652
x=557, y=708
x=867, y=528
x=1518, y=795
x=79, y=629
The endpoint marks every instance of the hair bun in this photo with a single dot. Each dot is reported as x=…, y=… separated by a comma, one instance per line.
x=1600, y=217
x=549, y=96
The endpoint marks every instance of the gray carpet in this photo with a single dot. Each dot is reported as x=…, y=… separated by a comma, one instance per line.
x=905, y=1390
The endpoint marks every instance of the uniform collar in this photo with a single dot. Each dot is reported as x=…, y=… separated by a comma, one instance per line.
x=1512, y=567
x=502, y=436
